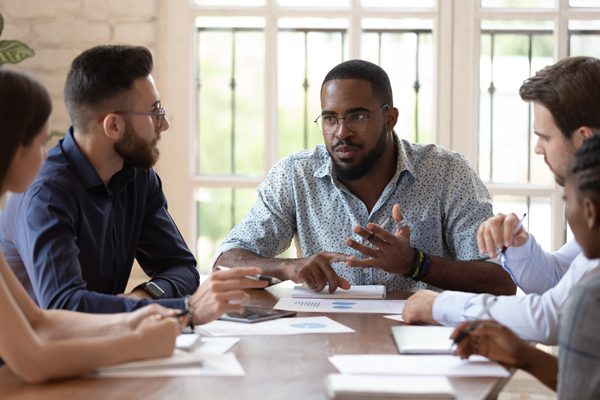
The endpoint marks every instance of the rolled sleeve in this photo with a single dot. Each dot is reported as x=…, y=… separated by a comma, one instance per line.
x=269, y=227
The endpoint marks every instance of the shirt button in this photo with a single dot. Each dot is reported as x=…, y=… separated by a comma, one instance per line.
x=365, y=270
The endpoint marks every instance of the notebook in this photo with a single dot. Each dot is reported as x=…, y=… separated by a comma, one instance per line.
x=355, y=292
x=423, y=339
x=355, y=387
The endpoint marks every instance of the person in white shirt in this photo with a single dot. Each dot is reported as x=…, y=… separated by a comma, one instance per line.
x=565, y=96
x=575, y=372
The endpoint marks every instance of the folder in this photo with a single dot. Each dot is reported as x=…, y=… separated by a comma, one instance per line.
x=423, y=339
x=355, y=387
x=376, y=292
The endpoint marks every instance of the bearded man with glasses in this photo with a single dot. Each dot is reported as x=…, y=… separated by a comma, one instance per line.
x=97, y=204
x=337, y=201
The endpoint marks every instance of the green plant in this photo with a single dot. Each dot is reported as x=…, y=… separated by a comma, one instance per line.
x=13, y=51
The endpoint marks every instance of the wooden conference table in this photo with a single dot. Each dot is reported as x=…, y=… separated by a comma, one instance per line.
x=276, y=367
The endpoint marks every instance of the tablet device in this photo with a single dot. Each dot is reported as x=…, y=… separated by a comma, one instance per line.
x=256, y=314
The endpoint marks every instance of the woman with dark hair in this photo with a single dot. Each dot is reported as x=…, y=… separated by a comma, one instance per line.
x=575, y=372
x=33, y=340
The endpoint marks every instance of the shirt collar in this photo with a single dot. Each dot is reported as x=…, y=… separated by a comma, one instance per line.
x=85, y=171
x=403, y=162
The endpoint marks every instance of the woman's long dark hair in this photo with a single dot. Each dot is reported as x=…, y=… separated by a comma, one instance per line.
x=24, y=109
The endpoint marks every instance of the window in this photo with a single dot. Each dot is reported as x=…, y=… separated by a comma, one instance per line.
x=248, y=73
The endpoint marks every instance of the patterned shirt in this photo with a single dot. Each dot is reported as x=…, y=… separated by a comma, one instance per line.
x=579, y=343
x=439, y=193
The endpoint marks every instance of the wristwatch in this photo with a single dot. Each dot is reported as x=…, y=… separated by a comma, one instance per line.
x=153, y=290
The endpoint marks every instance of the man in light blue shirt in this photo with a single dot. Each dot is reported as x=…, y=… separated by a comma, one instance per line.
x=565, y=100
x=350, y=184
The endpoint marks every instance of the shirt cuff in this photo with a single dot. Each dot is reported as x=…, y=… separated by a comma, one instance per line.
x=519, y=253
x=448, y=307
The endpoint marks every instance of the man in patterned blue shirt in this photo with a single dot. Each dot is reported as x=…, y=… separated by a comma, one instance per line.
x=350, y=184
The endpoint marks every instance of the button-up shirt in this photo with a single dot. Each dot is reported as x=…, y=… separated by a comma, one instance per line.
x=534, y=316
x=71, y=239
x=439, y=192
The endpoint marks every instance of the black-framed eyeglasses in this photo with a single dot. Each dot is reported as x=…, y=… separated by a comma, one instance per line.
x=158, y=116
x=356, y=121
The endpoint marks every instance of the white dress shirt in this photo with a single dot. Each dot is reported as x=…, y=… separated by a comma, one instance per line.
x=533, y=316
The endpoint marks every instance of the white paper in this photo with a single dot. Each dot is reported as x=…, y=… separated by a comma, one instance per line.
x=423, y=339
x=341, y=306
x=442, y=365
x=216, y=345
x=187, y=341
x=395, y=317
x=211, y=365
x=281, y=326
x=355, y=292
x=207, y=345
x=386, y=386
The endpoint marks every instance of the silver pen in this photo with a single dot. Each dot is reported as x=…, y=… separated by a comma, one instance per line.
x=271, y=279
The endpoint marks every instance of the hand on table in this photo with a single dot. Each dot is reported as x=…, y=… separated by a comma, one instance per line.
x=223, y=292
x=491, y=340
x=316, y=271
x=419, y=307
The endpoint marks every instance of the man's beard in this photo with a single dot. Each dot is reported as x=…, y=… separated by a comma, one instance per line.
x=353, y=173
x=134, y=150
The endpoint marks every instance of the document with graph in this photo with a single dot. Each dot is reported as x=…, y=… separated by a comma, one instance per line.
x=357, y=306
x=376, y=292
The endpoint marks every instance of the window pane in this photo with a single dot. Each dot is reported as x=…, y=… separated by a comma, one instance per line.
x=230, y=101
x=538, y=210
x=304, y=58
x=584, y=3
x=218, y=210
x=313, y=3
x=244, y=3
x=584, y=38
x=404, y=49
x=517, y=3
x=399, y=3
x=506, y=148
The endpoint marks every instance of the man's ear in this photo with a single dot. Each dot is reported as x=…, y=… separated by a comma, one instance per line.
x=591, y=210
x=581, y=134
x=113, y=126
x=391, y=118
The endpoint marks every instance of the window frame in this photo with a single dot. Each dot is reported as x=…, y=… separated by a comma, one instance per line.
x=456, y=107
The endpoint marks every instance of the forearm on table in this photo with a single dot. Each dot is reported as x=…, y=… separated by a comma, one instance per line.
x=245, y=258
x=60, y=324
x=45, y=360
x=469, y=276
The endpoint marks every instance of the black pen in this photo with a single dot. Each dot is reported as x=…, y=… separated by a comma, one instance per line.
x=465, y=332
x=271, y=279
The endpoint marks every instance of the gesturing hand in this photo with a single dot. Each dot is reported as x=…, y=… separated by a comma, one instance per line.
x=316, y=271
x=390, y=252
x=223, y=292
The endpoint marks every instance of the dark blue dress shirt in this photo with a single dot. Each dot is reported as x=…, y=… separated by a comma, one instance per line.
x=71, y=239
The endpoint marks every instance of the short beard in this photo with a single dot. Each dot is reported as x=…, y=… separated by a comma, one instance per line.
x=360, y=170
x=134, y=150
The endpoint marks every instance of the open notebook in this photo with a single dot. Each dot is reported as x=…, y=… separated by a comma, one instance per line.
x=423, y=339
x=355, y=292
x=355, y=387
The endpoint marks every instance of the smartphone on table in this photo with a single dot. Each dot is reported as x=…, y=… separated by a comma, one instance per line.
x=253, y=314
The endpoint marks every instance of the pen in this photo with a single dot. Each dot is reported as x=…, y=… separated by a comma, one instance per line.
x=465, y=332
x=271, y=279
x=515, y=230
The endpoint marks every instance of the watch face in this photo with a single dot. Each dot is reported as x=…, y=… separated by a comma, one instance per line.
x=154, y=290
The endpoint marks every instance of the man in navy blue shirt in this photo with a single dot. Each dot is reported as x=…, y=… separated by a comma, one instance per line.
x=97, y=204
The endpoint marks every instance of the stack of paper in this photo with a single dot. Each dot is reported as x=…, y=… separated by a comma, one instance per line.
x=423, y=339
x=423, y=365
x=355, y=387
x=376, y=292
